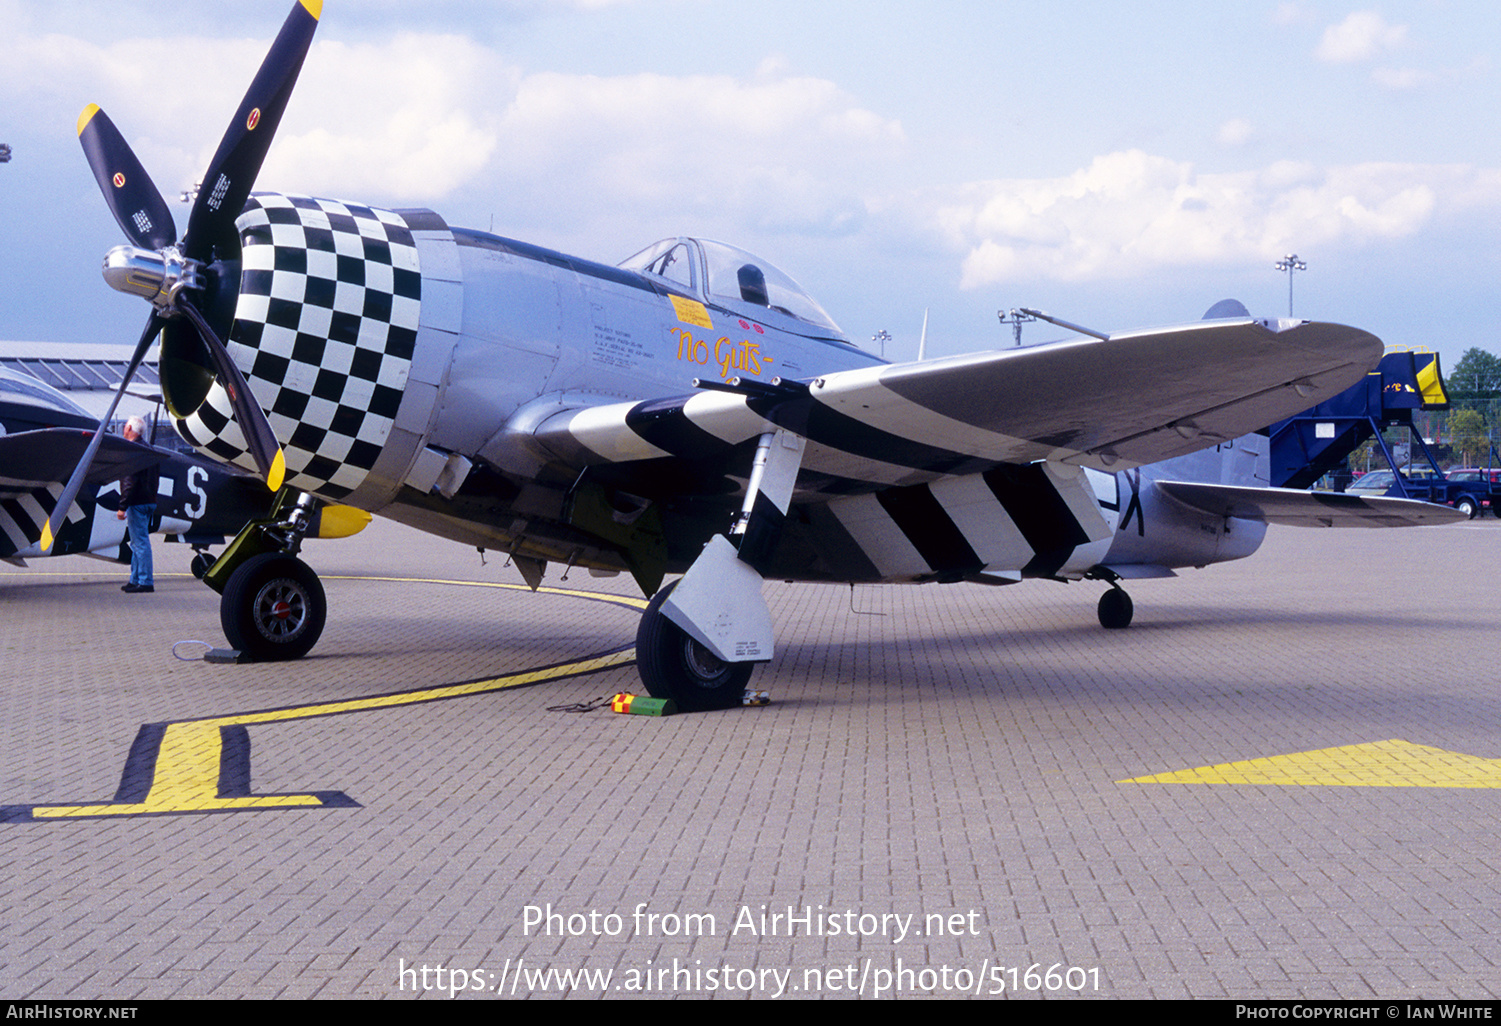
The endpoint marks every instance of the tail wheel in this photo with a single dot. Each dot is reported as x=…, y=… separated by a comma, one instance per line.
x=273, y=608
x=1115, y=609
x=200, y=564
x=673, y=665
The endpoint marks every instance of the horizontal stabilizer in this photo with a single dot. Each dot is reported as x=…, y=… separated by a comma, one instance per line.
x=1294, y=508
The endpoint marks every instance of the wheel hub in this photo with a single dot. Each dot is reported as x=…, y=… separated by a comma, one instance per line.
x=703, y=664
x=281, y=610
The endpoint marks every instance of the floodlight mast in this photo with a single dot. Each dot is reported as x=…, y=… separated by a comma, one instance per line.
x=1016, y=318
x=1289, y=264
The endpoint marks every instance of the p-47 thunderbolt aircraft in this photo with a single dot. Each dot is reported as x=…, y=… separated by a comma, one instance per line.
x=691, y=410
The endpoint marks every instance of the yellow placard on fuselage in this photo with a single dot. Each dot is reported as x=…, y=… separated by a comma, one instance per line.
x=691, y=311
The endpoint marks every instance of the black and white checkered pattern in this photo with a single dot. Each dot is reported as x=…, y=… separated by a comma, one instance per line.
x=324, y=332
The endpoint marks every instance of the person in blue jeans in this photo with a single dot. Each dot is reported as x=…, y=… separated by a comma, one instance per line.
x=137, y=505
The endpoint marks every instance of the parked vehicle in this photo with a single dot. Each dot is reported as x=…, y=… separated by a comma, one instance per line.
x=1482, y=488
x=1468, y=490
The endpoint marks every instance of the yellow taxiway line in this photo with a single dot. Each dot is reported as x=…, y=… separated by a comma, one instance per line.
x=1393, y=763
x=198, y=766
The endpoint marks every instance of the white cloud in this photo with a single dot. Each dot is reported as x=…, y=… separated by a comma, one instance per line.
x=417, y=118
x=1131, y=212
x=774, y=151
x=1236, y=132
x=423, y=121
x=1401, y=79
x=1363, y=36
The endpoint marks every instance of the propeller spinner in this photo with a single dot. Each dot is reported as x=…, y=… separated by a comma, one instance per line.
x=170, y=272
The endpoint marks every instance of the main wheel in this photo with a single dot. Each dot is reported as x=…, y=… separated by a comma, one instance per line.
x=674, y=666
x=1115, y=609
x=273, y=608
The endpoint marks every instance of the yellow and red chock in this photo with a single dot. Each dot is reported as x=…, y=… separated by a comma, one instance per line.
x=639, y=705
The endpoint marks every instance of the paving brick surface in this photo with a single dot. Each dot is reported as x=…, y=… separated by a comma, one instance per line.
x=944, y=751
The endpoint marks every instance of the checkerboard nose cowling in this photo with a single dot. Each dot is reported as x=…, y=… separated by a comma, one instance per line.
x=325, y=327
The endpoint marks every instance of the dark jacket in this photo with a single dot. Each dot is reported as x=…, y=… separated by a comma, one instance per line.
x=139, y=489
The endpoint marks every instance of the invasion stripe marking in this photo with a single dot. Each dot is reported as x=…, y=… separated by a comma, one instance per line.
x=601, y=429
x=1045, y=520
x=931, y=530
x=823, y=424
x=876, y=396
x=838, y=547
x=882, y=541
x=983, y=522
x=665, y=424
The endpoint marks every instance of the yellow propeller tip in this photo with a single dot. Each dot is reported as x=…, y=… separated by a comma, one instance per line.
x=314, y=7
x=47, y=538
x=277, y=473
x=87, y=116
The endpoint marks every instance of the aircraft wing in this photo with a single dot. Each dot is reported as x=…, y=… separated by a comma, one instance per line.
x=1134, y=398
x=1295, y=508
x=36, y=459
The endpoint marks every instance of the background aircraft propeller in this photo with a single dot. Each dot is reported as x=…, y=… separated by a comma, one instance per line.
x=166, y=271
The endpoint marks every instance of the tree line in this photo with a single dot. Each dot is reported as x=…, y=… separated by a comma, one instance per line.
x=1472, y=424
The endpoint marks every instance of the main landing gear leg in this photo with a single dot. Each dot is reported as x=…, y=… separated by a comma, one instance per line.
x=271, y=605
x=700, y=636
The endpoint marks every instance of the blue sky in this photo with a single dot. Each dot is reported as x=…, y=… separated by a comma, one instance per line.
x=1118, y=164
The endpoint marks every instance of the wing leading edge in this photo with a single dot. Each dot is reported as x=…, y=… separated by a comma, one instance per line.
x=1109, y=404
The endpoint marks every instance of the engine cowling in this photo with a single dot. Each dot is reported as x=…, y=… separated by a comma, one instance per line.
x=327, y=324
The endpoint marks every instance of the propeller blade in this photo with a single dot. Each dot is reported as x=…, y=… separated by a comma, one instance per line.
x=132, y=197
x=232, y=172
x=264, y=448
x=54, y=523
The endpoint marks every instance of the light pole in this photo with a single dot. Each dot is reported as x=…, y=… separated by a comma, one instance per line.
x=883, y=336
x=1016, y=319
x=1290, y=263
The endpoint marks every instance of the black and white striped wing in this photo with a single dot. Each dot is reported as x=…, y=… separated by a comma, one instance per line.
x=1107, y=404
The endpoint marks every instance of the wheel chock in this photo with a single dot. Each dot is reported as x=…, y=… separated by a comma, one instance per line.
x=230, y=656
x=639, y=705
x=756, y=698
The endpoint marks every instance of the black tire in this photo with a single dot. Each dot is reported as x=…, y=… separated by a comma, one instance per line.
x=200, y=564
x=1115, y=610
x=673, y=665
x=273, y=608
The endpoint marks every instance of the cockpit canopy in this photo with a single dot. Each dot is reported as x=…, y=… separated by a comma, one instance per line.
x=738, y=281
x=28, y=391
